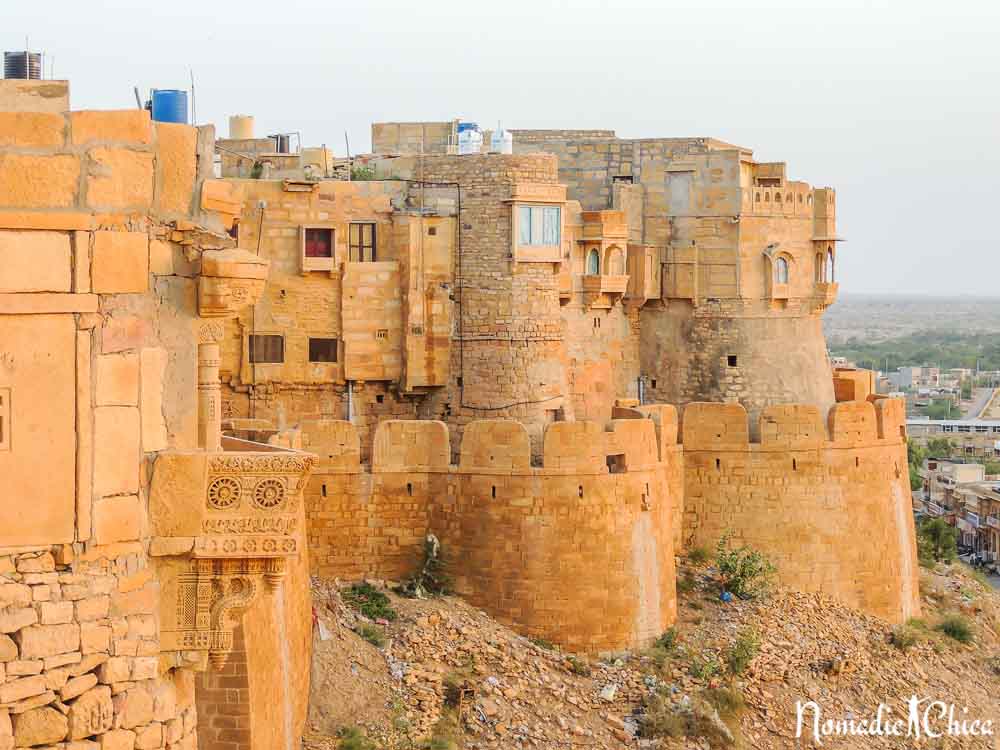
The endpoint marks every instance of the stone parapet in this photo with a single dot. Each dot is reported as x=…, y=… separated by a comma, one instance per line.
x=578, y=550
x=829, y=503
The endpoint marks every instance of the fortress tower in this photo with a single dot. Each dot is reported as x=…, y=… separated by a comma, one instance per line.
x=746, y=261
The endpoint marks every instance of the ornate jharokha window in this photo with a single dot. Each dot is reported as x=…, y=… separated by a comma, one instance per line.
x=362, y=242
x=539, y=225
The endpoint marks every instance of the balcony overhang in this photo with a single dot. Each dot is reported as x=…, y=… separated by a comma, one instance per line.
x=230, y=280
x=603, y=291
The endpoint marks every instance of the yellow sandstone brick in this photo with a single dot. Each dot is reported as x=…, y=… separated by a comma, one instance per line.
x=120, y=178
x=121, y=262
x=31, y=129
x=132, y=125
x=176, y=166
x=31, y=181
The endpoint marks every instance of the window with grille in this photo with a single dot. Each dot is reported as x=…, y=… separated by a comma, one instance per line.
x=267, y=349
x=362, y=243
x=322, y=350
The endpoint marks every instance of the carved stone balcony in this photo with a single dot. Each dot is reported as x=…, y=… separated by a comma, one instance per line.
x=223, y=526
x=604, y=291
x=826, y=295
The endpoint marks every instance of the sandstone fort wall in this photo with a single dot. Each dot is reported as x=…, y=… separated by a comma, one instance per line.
x=571, y=551
x=829, y=503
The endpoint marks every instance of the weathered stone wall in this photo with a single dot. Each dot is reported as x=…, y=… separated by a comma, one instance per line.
x=722, y=351
x=370, y=309
x=80, y=654
x=413, y=137
x=101, y=223
x=568, y=551
x=84, y=377
x=828, y=503
x=723, y=329
x=508, y=355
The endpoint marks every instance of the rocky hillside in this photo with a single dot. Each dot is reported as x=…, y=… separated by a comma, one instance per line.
x=438, y=674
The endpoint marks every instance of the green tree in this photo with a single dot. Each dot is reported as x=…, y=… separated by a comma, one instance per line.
x=943, y=408
x=915, y=455
x=939, y=447
x=967, y=388
x=936, y=541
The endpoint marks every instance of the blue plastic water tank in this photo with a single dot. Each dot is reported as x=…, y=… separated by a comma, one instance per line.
x=463, y=126
x=170, y=105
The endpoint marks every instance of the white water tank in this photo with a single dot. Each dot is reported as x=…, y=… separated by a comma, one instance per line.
x=502, y=142
x=241, y=127
x=470, y=141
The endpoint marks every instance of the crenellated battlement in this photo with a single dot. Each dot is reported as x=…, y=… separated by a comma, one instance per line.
x=600, y=514
x=496, y=446
x=782, y=427
x=607, y=497
x=827, y=500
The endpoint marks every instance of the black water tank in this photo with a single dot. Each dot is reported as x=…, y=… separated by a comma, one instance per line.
x=22, y=65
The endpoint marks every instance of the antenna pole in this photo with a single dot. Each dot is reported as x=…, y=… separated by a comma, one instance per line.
x=194, y=111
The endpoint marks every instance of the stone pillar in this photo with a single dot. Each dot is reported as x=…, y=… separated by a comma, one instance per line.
x=209, y=388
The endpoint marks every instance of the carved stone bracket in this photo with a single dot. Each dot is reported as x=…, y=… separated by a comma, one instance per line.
x=211, y=597
x=224, y=525
x=230, y=281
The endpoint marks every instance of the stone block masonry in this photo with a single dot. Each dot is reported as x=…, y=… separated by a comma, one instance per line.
x=830, y=505
x=608, y=505
x=98, y=382
x=567, y=552
x=79, y=655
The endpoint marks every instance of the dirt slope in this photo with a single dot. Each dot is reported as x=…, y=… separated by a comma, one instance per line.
x=524, y=695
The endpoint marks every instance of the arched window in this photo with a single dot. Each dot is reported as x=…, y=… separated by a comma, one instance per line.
x=593, y=262
x=829, y=265
x=614, y=261
x=781, y=271
x=820, y=271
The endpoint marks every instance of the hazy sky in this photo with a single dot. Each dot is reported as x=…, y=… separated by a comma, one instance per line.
x=894, y=103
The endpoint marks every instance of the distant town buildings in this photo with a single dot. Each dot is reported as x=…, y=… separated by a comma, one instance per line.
x=970, y=437
x=961, y=494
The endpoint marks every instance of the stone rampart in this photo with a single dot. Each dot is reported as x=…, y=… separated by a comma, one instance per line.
x=828, y=503
x=578, y=551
